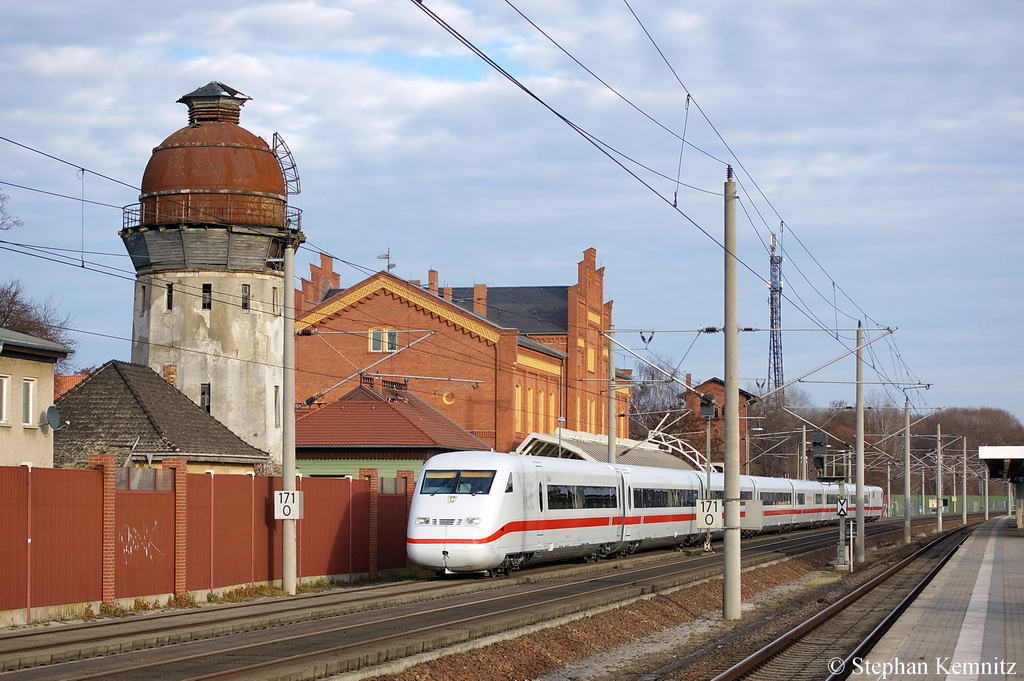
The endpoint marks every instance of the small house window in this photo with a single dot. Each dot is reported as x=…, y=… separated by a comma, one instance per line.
x=245, y=296
x=383, y=340
x=170, y=296
x=207, y=296
x=4, y=382
x=28, y=398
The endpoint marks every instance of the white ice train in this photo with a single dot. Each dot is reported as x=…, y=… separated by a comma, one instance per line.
x=490, y=512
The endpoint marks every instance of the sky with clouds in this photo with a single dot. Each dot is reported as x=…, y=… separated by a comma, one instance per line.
x=881, y=142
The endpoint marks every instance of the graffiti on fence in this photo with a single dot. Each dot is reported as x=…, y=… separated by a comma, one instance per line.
x=135, y=540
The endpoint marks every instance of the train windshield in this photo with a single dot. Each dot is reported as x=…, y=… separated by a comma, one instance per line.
x=457, y=482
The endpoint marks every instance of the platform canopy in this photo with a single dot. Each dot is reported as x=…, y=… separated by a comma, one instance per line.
x=1004, y=462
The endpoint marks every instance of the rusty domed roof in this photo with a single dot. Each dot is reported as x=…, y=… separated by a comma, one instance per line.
x=214, y=157
x=213, y=153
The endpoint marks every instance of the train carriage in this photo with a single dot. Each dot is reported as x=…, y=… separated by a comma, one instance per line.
x=490, y=512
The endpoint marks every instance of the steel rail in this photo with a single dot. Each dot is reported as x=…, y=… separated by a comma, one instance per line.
x=757, y=659
x=808, y=541
x=633, y=590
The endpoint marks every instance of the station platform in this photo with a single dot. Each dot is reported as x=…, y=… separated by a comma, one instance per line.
x=968, y=623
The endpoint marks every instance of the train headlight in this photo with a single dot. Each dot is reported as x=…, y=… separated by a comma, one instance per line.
x=423, y=521
x=472, y=521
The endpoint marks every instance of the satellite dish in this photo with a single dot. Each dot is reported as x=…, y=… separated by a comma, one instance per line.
x=53, y=417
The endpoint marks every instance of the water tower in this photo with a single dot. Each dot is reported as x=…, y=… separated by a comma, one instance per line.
x=207, y=240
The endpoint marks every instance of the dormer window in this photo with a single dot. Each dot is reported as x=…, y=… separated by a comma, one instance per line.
x=383, y=340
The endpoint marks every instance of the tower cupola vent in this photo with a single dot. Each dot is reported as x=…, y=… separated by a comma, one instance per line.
x=214, y=102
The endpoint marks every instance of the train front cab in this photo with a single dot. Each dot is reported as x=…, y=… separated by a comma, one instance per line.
x=458, y=520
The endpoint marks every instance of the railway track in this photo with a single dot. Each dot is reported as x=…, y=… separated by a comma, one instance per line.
x=358, y=627
x=850, y=626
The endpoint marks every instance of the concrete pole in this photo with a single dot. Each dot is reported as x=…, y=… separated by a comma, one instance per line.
x=938, y=478
x=289, y=542
x=963, y=492
x=1008, y=510
x=611, y=395
x=858, y=542
x=984, y=481
x=888, y=489
x=731, y=594
x=906, y=472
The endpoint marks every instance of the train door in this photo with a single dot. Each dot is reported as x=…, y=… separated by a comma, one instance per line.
x=535, y=532
x=625, y=499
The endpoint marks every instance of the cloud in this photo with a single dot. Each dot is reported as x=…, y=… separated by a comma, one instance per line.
x=888, y=138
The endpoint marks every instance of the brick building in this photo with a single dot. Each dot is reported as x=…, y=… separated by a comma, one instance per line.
x=501, y=362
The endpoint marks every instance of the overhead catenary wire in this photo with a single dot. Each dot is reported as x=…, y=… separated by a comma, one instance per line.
x=683, y=144
x=611, y=153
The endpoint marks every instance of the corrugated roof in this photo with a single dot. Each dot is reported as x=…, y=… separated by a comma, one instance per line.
x=122, y=408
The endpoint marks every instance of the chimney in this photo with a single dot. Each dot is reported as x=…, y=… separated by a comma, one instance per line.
x=432, y=281
x=480, y=299
x=447, y=292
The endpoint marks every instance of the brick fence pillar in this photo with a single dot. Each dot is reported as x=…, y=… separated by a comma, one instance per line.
x=410, y=483
x=180, y=468
x=106, y=464
x=372, y=475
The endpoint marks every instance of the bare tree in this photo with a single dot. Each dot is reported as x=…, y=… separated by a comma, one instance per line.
x=7, y=221
x=774, y=449
x=20, y=313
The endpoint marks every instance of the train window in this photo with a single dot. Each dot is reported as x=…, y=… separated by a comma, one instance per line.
x=560, y=497
x=776, y=498
x=817, y=499
x=664, y=498
x=599, y=497
x=581, y=496
x=745, y=495
x=801, y=498
x=457, y=482
x=508, y=485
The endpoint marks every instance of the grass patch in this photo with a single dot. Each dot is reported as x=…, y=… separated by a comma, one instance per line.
x=249, y=592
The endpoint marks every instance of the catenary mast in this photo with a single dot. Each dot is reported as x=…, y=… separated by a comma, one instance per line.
x=775, y=379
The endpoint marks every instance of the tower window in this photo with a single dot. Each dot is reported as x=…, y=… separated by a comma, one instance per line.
x=277, y=406
x=204, y=397
x=207, y=296
x=245, y=296
x=170, y=296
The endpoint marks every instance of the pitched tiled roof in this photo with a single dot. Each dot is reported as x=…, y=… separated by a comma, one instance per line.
x=366, y=418
x=62, y=384
x=122, y=408
x=531, y=309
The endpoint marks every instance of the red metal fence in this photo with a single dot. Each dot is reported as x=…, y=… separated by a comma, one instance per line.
x=211, y=531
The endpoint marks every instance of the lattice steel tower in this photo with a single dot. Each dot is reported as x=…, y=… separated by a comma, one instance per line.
x=775, y=308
